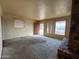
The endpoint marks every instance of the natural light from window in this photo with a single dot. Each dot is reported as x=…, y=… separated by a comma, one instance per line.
x=60, y=27
x=41, y=32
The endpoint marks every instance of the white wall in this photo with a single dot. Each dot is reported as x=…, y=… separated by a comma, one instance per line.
x=0, y=35
x=0, y=39
x=9, y=31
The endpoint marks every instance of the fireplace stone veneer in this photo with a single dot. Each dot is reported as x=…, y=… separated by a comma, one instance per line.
x=72, y=52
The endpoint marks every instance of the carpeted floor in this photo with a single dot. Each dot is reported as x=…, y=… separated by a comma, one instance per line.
x=34, y=47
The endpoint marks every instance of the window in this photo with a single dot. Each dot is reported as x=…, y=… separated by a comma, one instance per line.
x=60, y=27
x=41, y=31
x=51, y=27
x=19, y=24
x=48, y=27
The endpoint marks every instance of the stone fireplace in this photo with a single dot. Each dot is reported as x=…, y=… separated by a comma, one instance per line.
x=72, y=50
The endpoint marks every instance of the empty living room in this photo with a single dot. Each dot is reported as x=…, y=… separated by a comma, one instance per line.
x=39, y=29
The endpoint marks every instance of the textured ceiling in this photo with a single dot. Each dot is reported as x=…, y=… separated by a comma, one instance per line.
x=36, y=9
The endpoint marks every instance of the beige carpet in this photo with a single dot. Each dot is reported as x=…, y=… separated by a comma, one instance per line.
x=31, y=47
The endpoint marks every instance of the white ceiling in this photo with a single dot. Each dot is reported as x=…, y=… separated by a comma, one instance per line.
x=36, y=9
